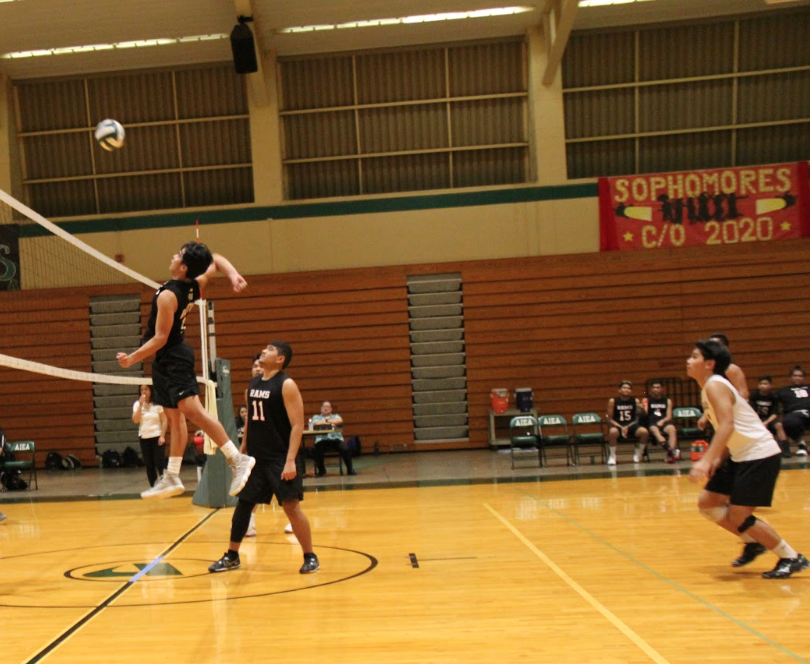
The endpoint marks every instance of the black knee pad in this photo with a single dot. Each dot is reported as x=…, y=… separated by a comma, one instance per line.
x=750, y=521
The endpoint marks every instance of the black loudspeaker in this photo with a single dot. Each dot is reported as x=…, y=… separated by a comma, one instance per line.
x=244, y=50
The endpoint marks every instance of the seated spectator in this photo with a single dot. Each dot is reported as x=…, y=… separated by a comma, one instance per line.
x=795, y=400
x=658, y=407
x=766, y=404
x=624, y=422
x=241, y=423
x=331, y=439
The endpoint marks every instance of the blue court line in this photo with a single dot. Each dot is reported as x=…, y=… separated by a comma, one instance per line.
x=672, y=583
x=146, y=569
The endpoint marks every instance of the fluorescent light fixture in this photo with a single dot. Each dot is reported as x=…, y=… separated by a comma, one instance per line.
x=143, y=43
x=602, y=3
x=409, y=20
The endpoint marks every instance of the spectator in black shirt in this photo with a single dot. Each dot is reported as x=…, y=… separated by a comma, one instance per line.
x=766, y=404
x=795, y=401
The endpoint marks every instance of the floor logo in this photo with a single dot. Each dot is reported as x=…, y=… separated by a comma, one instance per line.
x=119, y=571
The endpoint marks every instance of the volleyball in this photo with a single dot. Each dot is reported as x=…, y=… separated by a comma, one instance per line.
x=110, y=134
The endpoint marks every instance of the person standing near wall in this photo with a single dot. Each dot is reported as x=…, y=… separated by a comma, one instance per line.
x=152, y=423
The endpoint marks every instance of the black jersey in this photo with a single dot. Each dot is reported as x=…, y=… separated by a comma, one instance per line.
x=268, y=425
x=656, y=409
x=765, y=404
x=795, y=397
x=625, y=412
x=186, y=293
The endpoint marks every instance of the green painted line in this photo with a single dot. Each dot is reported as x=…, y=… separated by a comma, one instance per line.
x=669, y=581
x=331, y=209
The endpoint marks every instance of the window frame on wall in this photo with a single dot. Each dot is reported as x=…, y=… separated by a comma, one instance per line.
x=187, y=141
x=429, y=131
x=631, y=120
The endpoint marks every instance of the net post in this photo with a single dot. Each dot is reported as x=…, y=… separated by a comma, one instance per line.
x=212, y=490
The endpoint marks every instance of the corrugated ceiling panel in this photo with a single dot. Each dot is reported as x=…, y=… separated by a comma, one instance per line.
x=768, y=145
x=406, y=173
x=327, y=134
x=139, y=192
x=599, y=59
x=62, y=199
x=685, y=105
x=58, y=155
x=599, y=113
x=147, y=149
x=218, y=187
x=477, y=168
x=316, y=83
x=482, y=69
x=322, y=179
x=210, y=92
x=140, y=97
x=215, y=143
x=400, y=128
x=402, y=76
x=601, y=158
x=774, y=97
x=685, y=151
x=684, y=51
x=488, y=121
x=49, y=105
x=772, y=41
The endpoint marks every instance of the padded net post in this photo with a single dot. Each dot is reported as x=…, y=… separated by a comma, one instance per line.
x=212, y=490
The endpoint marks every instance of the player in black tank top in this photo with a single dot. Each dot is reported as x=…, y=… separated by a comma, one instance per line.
x=659, y=421
x=623, y=416
x=273, y=436
x=174, y=383
x=795, y=399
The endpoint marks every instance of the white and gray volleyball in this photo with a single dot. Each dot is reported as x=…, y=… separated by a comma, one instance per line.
x=110, y=134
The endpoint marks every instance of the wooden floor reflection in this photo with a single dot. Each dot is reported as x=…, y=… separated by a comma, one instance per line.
x=608, y=570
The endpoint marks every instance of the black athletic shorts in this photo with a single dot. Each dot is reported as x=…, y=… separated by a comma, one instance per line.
x=631, y=432
x=173, y=376
x=265, y=482
x=749, y=483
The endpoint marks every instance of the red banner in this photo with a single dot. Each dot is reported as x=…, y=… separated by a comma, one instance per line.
x=723, y=206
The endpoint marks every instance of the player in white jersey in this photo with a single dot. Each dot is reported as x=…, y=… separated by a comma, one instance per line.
x=741, y=464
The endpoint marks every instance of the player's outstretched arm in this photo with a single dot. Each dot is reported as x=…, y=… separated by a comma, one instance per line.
x=226, y=268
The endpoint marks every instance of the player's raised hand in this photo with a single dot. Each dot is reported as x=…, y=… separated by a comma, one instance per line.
x=238, y=282
x=123, y=360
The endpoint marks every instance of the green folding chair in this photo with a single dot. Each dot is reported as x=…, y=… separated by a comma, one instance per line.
x=24, y=447
x=589, y=429
x=554, y=432
x=686, y=418
x=524, y=436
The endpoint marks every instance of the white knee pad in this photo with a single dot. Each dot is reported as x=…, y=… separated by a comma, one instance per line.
x=714, y=514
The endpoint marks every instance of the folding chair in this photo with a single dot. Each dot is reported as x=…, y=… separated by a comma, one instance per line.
x=685, y=419
x=559, y=425
x=524, y=437
x=589, y=429
x=23, y=447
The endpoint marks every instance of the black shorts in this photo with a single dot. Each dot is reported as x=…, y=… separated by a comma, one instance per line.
x=659, y=425
x=632, y=430
x=749, y=483
x=265, y=482
x=173, y=376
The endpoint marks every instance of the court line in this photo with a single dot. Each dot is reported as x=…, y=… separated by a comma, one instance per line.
x=672, y=583
x=87, y=617
x=611, y=617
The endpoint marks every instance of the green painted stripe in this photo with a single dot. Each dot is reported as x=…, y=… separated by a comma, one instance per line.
x=338, y=208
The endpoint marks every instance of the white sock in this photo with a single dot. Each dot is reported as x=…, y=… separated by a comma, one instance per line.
x=174, y=465
x=229, y=450
x=747, y=539
x=784, y=550
x=612, y=454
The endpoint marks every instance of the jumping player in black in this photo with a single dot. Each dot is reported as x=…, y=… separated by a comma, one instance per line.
x=174, y=381
x=273, y=436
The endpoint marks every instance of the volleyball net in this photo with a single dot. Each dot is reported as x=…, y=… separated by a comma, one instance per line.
x=66, y=309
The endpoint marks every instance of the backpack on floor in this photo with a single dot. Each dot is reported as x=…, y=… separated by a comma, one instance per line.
x=353, y=443
x=131, y=459
x=111, y=459
x=53, y=461
x=12, y=481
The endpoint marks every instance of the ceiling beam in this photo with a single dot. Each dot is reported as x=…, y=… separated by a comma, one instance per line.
x=558, y=21
x=257, y=80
